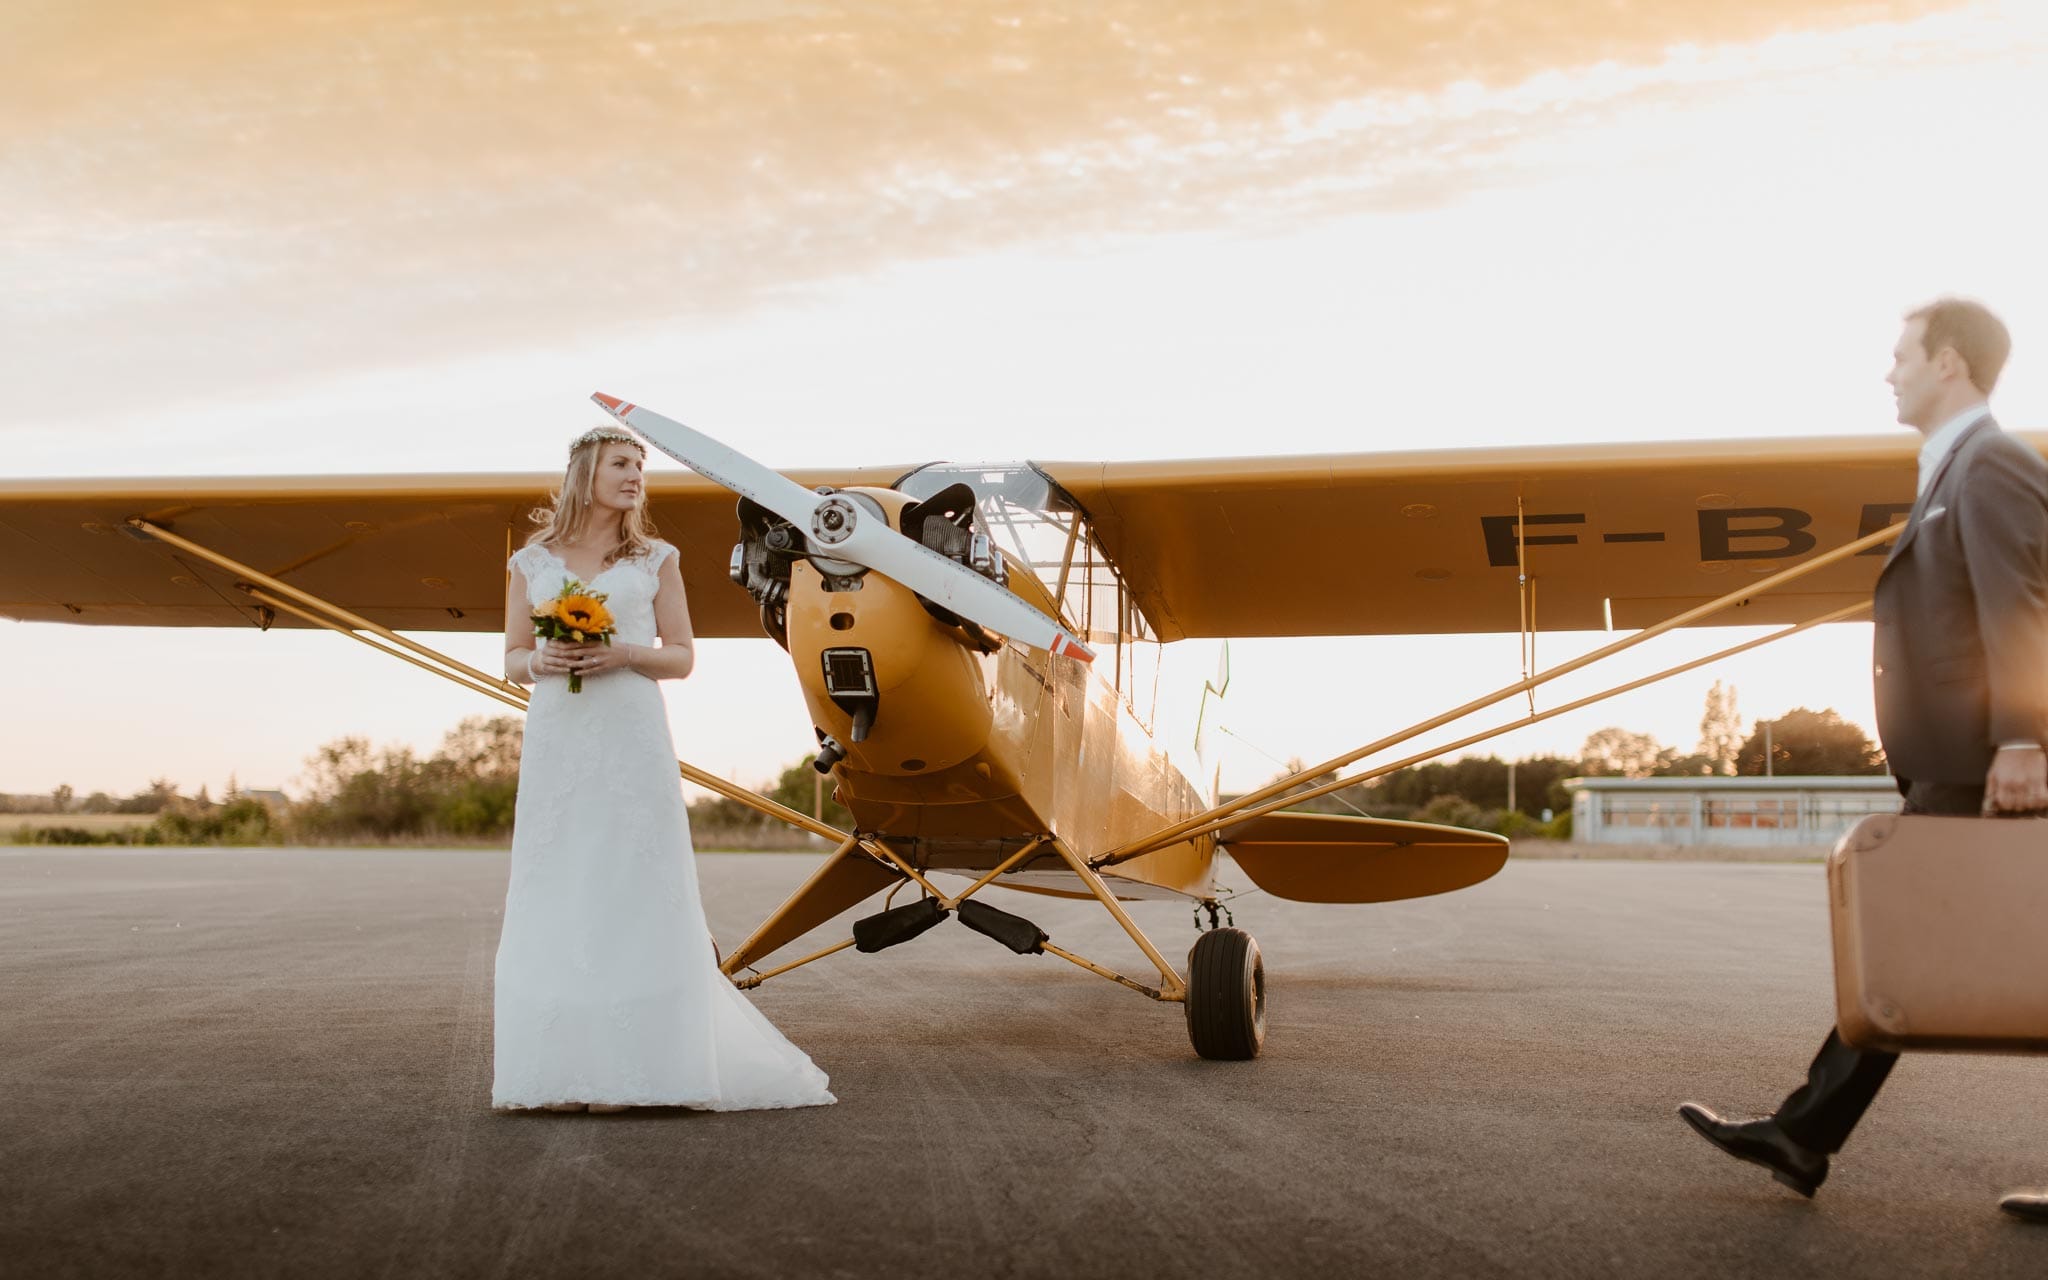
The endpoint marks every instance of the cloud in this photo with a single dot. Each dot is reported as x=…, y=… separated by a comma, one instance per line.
x=223, y=195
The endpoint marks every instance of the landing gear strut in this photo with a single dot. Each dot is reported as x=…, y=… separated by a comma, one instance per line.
x=1226, y=1000
x=1218, y=914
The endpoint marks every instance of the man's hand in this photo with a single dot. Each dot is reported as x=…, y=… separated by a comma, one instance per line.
x=2018, y=781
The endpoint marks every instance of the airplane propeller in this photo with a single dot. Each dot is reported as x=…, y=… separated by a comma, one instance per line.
x=842, y=529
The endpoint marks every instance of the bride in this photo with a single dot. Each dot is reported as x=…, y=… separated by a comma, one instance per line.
x=608, y=993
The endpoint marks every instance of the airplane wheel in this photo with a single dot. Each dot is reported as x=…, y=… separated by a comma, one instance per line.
x=1226, y=1004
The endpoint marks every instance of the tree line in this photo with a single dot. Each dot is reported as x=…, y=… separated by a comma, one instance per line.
x=1474, y=791
x=354, y=793
x=350, y=792
x=63, y=799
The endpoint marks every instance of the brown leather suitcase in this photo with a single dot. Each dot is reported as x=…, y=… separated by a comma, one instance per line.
x=1941, y=933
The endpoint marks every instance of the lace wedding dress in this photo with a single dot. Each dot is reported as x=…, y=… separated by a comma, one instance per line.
x=607, y=990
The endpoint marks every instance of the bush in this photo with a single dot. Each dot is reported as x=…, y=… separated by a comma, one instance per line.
x=238, y=822
x=26, y=834
x=477, y=807
x=1454, y=811
x=1516, y=825
x=465, y=790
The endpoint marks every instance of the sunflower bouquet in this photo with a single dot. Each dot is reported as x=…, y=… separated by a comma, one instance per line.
x=577, y=614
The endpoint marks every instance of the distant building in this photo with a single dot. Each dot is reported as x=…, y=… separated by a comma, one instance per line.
x=1745, y=811
x=275, y=801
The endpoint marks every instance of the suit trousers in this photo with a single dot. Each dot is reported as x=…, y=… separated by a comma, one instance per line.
x=1820, y=1114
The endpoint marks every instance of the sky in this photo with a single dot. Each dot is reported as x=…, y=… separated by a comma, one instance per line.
x=300, y=237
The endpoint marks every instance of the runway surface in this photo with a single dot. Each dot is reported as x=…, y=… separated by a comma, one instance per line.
x=267, y=1063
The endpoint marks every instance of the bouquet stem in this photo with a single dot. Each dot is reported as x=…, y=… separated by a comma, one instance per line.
x=575, y=682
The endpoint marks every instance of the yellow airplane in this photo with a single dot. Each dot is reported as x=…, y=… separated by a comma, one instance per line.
x=979, y=646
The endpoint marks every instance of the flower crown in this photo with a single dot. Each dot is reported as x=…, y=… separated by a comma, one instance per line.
x=605, y=435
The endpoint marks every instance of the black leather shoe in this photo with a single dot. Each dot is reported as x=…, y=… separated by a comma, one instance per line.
x=1761, y=1142
x=2028, y=1206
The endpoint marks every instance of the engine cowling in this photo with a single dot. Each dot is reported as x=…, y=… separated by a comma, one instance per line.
x=927, y=706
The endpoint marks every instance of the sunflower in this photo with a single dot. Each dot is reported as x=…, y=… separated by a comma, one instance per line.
x=582, y=616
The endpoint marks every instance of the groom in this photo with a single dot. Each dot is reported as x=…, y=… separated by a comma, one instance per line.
x=1961, y=672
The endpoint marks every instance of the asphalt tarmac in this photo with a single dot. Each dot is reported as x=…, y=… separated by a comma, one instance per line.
x=278, y=1063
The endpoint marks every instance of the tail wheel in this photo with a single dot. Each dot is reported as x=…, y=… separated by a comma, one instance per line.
x=1226, y=1002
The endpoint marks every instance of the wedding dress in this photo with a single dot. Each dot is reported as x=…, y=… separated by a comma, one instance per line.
x=607, y=989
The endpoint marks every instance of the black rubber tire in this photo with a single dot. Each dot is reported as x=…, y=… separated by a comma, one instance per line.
x=1226, y=1003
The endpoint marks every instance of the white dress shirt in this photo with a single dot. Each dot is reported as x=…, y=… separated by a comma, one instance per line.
x=1938, y=444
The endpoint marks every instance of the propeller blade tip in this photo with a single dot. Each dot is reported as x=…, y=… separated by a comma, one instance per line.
x=1064, y=644
x=610, y=404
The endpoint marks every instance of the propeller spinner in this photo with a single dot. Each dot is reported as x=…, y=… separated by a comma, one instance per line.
x=846, y=530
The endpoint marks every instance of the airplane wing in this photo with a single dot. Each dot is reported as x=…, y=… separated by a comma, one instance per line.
x=410, y=552
x=1351, y=544
x=1426, y=542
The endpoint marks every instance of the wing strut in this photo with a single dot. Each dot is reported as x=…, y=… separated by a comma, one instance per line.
x=1211, y=819
x=282, y=595
x=1528, y=590
x=490, y=690
x=1367, y=775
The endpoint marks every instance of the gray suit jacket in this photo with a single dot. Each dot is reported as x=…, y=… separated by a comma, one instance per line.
x=1961, y=662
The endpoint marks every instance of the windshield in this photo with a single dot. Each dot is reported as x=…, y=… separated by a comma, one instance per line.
x=1040, y=527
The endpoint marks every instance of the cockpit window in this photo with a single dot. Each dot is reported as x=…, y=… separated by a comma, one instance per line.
x=1035, y=521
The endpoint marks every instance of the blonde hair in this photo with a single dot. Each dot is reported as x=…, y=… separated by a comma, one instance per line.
x=568, y=513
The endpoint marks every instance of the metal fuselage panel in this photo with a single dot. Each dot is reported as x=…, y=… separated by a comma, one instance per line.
x=973, y=754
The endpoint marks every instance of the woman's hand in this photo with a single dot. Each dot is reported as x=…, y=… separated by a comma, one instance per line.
x=587, y=659
x=556, y=658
